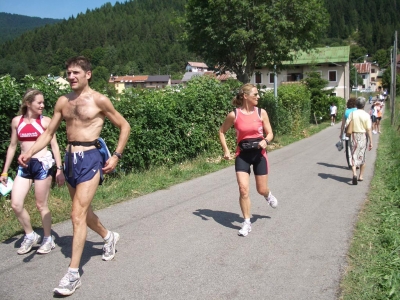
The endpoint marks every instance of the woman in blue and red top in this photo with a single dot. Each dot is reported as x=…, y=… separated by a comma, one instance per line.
x=25, y=129
x=250, y=123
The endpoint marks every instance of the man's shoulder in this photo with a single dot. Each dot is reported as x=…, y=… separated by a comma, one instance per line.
x=67, y=97
x=100, y=99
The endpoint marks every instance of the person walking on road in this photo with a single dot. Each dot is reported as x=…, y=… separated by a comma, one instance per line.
x=373, y=113
x=379, y=109
x=351, y=106
x=84, y=111
x=25, y=129
x=250, y=123
x=361, y=139
x=333, y=112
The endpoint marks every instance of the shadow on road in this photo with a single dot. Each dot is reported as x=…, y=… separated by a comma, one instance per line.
x=332, y=166
x=90, y=250
x=65, y=243
x=225, y=218
x=337, y=178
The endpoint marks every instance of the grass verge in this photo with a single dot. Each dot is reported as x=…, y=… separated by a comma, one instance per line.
x=120, y=187
x=374, y=257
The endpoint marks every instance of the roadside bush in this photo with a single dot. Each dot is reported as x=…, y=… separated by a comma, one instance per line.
x=290, y=112
x=171, y=126
x=168, y=126
x=320, y=98
x=340, y=104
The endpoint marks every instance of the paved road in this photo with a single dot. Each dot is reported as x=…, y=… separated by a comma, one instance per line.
x=182, y=243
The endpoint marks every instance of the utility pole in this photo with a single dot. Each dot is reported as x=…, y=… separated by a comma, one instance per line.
x=393, y=83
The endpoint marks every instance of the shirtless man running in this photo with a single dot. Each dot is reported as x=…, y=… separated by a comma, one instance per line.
x=84, y=111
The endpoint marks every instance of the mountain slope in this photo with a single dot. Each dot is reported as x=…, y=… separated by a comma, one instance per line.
x=134, y=37
x=13, y=25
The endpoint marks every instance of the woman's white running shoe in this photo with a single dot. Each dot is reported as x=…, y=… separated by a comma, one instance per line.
x=272, y=201
x=246, y=228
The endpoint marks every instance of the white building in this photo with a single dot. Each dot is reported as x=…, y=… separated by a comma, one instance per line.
x=331, y=62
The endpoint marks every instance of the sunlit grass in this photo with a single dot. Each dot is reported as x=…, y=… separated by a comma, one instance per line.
x=374, y=255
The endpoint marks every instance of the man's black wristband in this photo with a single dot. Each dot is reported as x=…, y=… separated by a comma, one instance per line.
x=266, y=141
x=117, y=154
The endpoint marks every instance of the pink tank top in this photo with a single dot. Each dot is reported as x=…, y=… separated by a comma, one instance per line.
x=248, y=126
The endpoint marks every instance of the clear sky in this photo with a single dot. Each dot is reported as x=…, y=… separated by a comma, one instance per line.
x=54, y=9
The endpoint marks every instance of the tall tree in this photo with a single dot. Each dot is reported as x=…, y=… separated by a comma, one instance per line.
x=239, y=35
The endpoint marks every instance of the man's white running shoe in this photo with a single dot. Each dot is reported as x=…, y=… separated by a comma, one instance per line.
x=272, y=201
x=246, y=228
x=109, y=248
x=68, y=284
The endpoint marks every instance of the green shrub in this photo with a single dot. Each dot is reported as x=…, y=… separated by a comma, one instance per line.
x=170, y=126
x=290, y=112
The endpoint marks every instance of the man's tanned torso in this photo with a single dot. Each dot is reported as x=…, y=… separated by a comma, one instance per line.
x=83, y=116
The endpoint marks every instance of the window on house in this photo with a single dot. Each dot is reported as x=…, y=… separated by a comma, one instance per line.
x=372, y=70
x=271, y=77
x=294, y=77
x=372, y=78
x=258, y=77
x=363, y=76
x=332, y=76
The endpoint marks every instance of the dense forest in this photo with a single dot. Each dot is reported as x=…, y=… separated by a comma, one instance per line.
x=135, y=37
x=145, y=37
x=370, y=23
x=13, y=25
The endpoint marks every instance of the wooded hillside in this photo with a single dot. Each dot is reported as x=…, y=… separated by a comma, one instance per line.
x=13, y=25
x=137, y=37
x=371, y=23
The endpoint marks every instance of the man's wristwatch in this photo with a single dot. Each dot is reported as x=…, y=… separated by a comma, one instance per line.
x=117, y=154
x=60, y=168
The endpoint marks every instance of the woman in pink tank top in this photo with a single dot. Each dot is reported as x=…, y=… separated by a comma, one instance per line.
x=253, y=133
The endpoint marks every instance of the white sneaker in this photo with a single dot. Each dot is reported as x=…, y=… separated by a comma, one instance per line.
x=272, y=201
x=68, y=284
x=246, y=228
x=27, y=244
x=46, y=247
x=109, y=248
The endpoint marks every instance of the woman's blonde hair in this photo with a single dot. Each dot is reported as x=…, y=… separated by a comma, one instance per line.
x=29, y=97
x=245, y=89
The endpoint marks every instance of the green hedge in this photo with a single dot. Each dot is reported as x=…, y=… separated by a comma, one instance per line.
x=290, y=112
x=172, y=125
x=168, y=126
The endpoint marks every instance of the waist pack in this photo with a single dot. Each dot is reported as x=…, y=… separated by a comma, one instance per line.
x=249, y=145
x=100, y=144
x=102, y=147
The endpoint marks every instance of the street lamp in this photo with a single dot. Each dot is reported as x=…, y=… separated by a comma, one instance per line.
x=366, y=55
